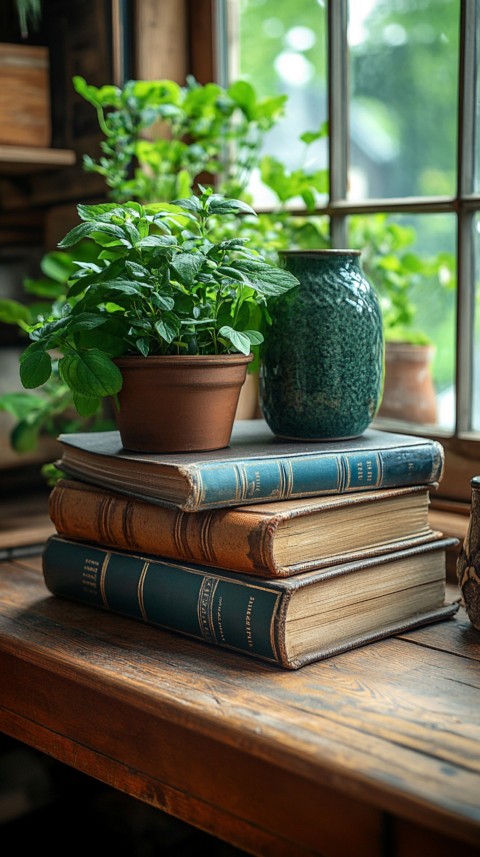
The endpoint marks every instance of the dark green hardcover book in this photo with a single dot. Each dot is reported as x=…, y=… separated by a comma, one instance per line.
x=256, y=467
x=287, y=621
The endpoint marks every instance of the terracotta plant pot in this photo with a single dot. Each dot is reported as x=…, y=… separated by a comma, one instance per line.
x=409, y=393
x=179, y=404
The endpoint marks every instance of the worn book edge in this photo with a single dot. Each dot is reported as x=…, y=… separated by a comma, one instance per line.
x=419, y=620
x=256, y=467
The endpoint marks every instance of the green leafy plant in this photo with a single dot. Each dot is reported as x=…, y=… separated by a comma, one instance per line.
x=399, y=274
x=49, y=411
x=160, y=136
x=160, y=139
x=160, y=285
x=205, y=130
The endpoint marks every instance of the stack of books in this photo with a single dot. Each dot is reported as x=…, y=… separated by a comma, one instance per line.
x=289, y=551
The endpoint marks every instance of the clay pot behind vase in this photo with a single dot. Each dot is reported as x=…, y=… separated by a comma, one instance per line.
x=409, y=393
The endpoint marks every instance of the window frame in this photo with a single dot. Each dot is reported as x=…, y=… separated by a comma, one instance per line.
x=462, y=444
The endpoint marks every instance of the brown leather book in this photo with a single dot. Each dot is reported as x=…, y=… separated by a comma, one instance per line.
x=267, y=539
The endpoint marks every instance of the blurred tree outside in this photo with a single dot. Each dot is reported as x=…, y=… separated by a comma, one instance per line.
x=283, y=50
x=403, y=73
x=406, y=69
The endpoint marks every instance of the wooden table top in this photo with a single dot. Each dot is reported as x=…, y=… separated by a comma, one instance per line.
x=377, y=746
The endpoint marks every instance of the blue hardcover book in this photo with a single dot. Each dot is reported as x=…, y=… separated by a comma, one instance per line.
x=257, y=467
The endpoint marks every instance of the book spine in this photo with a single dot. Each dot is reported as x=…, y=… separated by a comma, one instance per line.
x=229, y=538
x=286, y=478
x=218, y=609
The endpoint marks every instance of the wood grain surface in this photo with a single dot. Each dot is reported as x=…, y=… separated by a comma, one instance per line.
x=377, y=746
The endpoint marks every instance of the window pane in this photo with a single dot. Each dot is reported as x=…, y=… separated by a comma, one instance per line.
x=403, y=100
x=476, y=332
x=410, y=261
x=476, y=108
x=282, y=50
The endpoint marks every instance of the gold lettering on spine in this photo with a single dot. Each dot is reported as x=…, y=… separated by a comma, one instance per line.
x=141, y=588
x=252, y=487
x=369, y=471
x=248, y=621
x=219, y=620
x=364, y=472
x=205, y=608
x=358, y=473
x=90, y=575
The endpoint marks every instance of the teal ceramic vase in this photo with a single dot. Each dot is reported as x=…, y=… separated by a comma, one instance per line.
x=322, y=367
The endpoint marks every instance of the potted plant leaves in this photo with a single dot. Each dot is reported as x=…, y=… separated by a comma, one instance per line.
x=164, y=321
x=137, y=165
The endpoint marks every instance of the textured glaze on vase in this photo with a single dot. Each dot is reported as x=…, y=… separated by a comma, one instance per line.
x=468, y=563
x=179, y=404
x=322, y=368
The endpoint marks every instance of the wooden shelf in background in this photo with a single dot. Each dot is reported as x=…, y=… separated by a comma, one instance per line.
x=22, y=160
